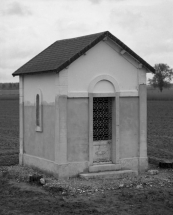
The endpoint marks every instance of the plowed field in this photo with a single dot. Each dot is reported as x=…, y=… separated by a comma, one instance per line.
x=160, y=129
x=9, y=131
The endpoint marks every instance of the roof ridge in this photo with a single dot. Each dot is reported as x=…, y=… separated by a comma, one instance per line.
x=71, y=38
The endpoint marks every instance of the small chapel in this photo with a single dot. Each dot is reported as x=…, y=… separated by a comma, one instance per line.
x=83, y=107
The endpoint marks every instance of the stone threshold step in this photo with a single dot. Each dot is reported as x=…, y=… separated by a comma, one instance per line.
x=110, y=174
x=104, y=167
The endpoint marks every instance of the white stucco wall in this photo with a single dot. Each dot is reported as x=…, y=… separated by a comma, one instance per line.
x=103, y=60
x=44, y=82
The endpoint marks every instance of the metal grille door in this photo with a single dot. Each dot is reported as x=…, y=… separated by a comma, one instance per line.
x=102, y=119
x=102, y=129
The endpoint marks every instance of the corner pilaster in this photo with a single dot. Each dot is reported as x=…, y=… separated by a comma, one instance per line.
x=90, y=128
x=21, y=117
x=61, y=85
x=117, y=113
x=143, y=161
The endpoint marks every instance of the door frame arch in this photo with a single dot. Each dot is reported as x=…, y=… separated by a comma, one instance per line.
x=115, y=95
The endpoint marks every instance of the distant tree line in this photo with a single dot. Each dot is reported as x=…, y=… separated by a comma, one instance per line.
x=9, y=86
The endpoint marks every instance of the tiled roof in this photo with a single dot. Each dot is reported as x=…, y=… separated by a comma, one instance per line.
x=63, y=52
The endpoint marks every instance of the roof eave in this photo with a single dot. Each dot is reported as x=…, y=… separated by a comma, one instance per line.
x=34, y=73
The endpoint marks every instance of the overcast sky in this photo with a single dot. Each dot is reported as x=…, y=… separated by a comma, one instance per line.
x=29, y=26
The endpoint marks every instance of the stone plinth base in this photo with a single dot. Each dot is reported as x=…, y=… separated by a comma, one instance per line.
x=135, y=163
x=75, y=168
x=58, y=170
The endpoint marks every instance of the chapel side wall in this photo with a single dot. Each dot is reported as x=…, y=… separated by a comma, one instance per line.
x=129, y=127
x=77, y=130
x=39, y=144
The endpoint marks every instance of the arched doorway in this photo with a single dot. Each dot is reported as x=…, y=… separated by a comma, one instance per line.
x=103, y=120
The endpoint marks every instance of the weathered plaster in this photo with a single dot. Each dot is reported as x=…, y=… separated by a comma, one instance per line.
x=36, y=143
x=77, y=130
x=129, y=127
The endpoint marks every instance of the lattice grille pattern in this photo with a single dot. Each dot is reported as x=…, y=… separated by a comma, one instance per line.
x=102, y=118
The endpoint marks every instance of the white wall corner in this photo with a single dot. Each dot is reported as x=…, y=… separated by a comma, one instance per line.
x=63, y=82
x=21, y=118
x=141, y=76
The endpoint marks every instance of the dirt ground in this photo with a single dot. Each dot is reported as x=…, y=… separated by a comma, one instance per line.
x=144, y=194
